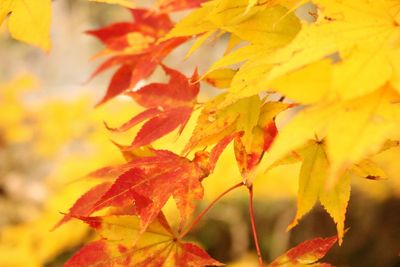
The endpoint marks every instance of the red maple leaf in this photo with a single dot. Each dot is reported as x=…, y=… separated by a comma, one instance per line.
x=149, y=182
x=169, y=106
x=146, y=181
x=306, y=253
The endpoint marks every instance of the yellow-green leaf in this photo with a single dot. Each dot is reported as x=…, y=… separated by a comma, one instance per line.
x=313, y=186
x=312, y=177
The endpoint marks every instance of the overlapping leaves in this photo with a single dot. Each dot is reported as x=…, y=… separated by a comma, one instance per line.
x=123, y=245
x=345, y=82
x=134, y=47
x=359, y=64
x=268, y=24
x=148, y=183
x=248, y=121
x=169, y=106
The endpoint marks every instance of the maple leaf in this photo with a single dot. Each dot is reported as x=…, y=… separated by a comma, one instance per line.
x=122, y=244
x=306, y=253
x=169, y=106
x=138, y=180
x=135, y=48
x=312, y=181
x=149, y=182
x=313, y=177
x=29, y=21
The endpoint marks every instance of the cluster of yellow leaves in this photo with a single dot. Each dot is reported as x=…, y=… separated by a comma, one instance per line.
x=342, y=68
x=269, y=25
x=46, y=128
x=12, y=130
x=49, y=124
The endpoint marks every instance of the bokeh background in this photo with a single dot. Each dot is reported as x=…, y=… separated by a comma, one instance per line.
x=51, y=136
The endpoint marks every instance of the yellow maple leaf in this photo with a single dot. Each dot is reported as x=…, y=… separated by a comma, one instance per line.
x=313, y=175
x=29, y=20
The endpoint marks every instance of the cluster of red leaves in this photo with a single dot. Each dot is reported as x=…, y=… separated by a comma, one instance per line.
x=168, y=106
x=142, y=187
x=133, y=194
x=134, y=47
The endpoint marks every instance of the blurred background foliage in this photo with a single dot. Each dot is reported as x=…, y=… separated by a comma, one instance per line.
x=51, y=136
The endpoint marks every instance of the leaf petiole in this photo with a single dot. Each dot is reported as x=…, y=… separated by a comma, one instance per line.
x=200, y=216
x=253, y=225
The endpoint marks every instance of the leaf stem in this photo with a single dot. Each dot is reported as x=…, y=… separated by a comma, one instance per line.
x=198, y=218
x=253, y=226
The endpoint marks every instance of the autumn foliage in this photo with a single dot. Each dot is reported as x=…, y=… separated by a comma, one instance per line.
x=321, y=88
